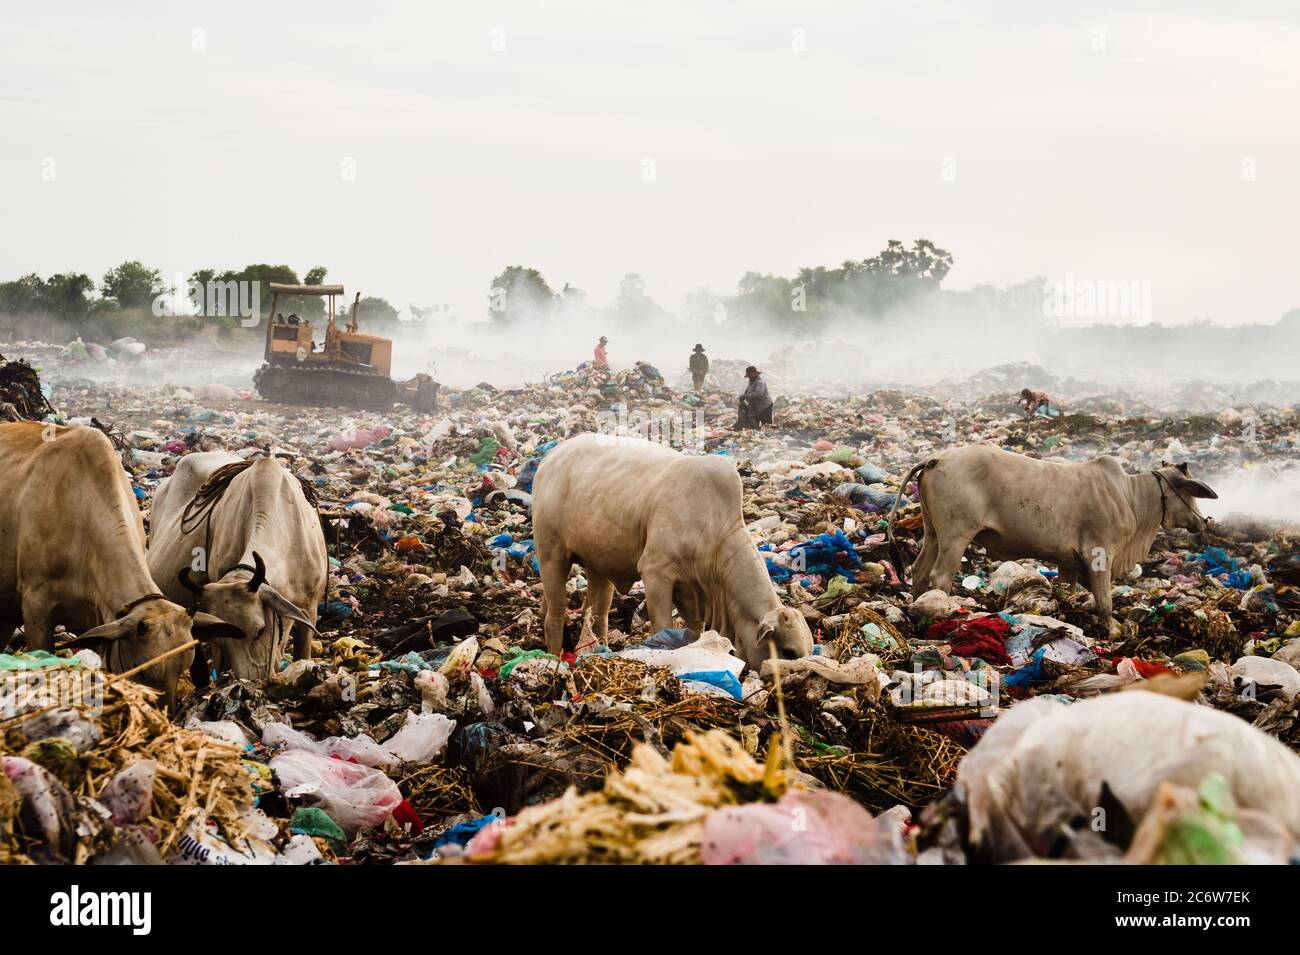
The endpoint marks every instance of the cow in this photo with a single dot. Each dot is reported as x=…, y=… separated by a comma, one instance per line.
x=626, y=509
x=1092, y=519
x=72, y=552
x=249, y=548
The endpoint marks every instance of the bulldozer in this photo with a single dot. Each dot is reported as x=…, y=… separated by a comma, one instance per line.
x=349, y=368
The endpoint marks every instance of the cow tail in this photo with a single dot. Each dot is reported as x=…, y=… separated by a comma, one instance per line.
x=894, y=549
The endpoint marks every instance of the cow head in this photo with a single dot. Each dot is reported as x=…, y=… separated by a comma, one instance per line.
x=1178, y=494
x=787, y=629
x=254, y=606
x=148, y=630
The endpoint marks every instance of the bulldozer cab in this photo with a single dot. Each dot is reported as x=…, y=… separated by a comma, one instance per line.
x=289, y=339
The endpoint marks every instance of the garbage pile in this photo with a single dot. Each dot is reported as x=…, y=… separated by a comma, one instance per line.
x=21, y=397
x=431, y=724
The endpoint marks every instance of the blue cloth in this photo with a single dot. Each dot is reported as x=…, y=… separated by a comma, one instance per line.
x=1029, y=674
x=1219, y=565
x=461, y=833
x=826, y=554
x=723, y=679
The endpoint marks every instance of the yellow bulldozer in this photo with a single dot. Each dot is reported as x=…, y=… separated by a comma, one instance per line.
x=349, y=368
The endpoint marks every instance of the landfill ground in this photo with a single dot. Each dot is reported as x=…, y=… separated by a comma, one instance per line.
x=430, y=725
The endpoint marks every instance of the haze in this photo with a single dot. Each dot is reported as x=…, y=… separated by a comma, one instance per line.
x=1156, y=144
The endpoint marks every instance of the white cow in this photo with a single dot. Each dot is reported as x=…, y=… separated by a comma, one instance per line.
x=629, y=510
x=1091, y=519
x=258, y=559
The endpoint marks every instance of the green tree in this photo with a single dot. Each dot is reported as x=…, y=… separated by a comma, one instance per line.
x=68, y=294
x=132, y=285
x=377, y=316
x=25, y=294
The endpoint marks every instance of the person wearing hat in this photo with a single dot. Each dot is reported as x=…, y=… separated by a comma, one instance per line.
x=699, y=366
x=755, y=403
x=601, y=359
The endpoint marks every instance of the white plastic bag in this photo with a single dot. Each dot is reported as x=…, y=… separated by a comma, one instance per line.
x=1042, y=764
x=353, y=795
x=129, y=794
x=421, y=739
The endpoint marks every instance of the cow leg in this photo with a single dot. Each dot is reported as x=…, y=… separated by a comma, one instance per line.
x=38, y=625
x=924, y=565
x=947, y=561
x=1099, y=584
x=658, y=599
x=689, y=606
x=302, y=637
x=555, y=573
x=600, y=594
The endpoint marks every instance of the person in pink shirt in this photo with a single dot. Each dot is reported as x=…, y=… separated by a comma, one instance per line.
x=601, y=359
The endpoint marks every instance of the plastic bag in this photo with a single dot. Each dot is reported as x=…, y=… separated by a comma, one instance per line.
x=710, y=652
x=422, y=738
x=227, y=731
x=1265, y=672
x=129, y=794
x=1042, y=764
x=355, y=796
x=803, y=828
x=362, y=748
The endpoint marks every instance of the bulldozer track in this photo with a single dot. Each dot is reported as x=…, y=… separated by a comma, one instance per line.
x=330, y=386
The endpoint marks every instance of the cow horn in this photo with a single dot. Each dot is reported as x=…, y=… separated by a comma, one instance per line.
x=259, y=573
x=188, y=583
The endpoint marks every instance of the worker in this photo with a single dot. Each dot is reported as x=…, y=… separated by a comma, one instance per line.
x=755, y=403
x=699, y=366
x=1035, y=401
x=601, y=359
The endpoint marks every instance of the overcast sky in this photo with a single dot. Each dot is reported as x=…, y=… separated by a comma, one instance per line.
x=416, y=148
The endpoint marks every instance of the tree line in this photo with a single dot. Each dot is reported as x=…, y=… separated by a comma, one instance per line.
x=129, y=298
x=802, y=303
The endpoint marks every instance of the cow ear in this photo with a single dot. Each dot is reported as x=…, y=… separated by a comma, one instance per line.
x=274, y=600
x=113, y=630
x=1198, y=488
x=209, y=627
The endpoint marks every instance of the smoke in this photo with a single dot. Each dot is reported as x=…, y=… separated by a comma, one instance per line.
x=935, y=337
x=1266, y=497
x=936, y=341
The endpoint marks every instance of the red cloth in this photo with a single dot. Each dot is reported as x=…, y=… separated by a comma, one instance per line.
x=406, y=815
x=983, y=637
x=1148, y=670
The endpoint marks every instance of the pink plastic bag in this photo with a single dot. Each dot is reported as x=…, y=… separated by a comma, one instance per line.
x=803, y=828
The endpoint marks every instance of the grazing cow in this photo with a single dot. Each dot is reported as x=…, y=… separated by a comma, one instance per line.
x=248, y=547
x=626, y=510
x=1091, y=518
x=72, y=552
